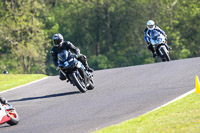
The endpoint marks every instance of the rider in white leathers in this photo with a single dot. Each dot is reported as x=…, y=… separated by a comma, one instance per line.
x=150, y=27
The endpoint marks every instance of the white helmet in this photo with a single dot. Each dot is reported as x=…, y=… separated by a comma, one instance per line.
x=150, y=24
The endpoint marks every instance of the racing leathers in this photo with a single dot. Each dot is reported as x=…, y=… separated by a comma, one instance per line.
x=147, y=39
x=3, y=101
x=66, y=45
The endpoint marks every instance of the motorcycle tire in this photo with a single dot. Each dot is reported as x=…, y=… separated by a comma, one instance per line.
x=78, y=83
x=166, y=55
x=14, y=117
x=91, y=86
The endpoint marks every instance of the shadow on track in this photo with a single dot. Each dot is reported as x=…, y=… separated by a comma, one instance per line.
x=46, y=96
x=5, y=126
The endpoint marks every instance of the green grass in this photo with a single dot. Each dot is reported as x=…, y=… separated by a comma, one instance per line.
x=8, y=81
x=182, y=116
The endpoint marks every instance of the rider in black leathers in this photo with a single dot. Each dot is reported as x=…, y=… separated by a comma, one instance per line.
x=3, y=101
x=60, y=44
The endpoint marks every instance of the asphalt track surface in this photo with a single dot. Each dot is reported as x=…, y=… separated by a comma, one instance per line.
x=54, y=106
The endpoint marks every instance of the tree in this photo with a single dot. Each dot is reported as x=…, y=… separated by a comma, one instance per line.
x=23, y=34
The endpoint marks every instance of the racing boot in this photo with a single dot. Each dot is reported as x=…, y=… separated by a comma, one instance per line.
x=89, y=69
x=150, y=47
x=83, y=60
x=154, y=54
x=168, y=47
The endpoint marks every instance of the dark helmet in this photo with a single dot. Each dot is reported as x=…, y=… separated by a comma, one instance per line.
x=57, y=39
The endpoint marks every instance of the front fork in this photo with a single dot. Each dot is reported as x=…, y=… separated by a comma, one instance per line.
x=167, y=46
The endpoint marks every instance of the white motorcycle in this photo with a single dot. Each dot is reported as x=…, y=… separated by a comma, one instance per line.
x=159, y=44
x=8, y=115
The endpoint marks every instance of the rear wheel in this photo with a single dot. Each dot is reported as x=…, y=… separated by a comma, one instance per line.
x=78, y=82
x=91, y=86
x=14, y=117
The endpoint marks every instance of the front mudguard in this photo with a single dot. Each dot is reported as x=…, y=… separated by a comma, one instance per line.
x=163, y=52
x=159, y=52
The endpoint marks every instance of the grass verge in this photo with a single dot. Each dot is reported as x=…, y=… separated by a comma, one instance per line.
x=8, y=81
x=182, y=116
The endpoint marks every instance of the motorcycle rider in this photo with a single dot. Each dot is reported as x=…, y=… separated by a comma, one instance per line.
x=3, y=101
x=150, y=27
x=60, y=44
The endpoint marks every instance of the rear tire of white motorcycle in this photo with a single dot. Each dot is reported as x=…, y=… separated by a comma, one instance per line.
x=13, y=121
x=78, y=84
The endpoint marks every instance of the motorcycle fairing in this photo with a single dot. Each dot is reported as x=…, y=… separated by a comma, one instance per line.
x=3, y=116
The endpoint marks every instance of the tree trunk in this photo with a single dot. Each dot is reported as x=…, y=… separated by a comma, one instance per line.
x=97, y=30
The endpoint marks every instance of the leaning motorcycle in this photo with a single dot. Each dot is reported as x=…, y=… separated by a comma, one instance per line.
x=75, y=71
x=8, y=114
x=160, y=45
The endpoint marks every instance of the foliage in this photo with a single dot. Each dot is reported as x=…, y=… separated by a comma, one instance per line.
x=100, y=62
x=109, y=32
x=23, y=37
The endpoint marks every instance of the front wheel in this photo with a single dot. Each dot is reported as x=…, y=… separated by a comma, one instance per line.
x=165, y=54
x=78, y=82
x=14, y=117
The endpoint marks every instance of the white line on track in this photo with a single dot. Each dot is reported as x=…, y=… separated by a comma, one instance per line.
x=182, y=96
x=25, y=84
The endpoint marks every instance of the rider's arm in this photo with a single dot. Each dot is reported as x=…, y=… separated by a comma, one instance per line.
x=54, y=57
x=160, y=30
x=73, y=48
x=146, y=38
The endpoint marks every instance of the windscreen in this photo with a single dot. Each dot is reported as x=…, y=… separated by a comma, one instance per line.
x=154, y=34
x=63, y=55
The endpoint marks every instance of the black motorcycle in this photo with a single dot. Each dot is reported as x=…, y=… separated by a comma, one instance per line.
x=160, y=45
x=75, y=71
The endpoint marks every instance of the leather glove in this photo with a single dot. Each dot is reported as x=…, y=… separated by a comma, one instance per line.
x=79, y=55
x=149, y=44
x=78, y=51
x=57, y=68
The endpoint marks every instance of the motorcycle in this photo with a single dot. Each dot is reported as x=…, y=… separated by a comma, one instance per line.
x=8, y=114
x=160, y=45
x=75, y=71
